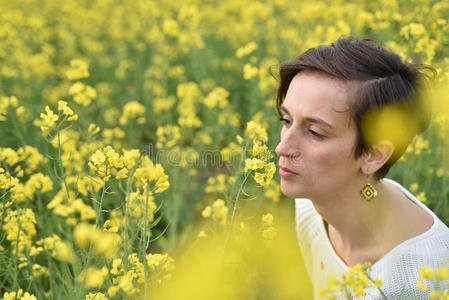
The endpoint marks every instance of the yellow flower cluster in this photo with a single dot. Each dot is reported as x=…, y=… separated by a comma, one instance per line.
x=161, y=267
x=9, y=102
x=93, y=277
x=217, y=211
x=148, y=172
x=219, y=184
x=65, y=206
x=256, y=132
x=136, y=207
x=246, y=49
x=66, y=111
x=163, y=104
x=96, y=296
x=419, y=146
x=49, y=118
x=217, y=97
x=249, y=71
x=269, y=232
x=58, y=248
x=273, y=191
x=103, y=244
x=229, y=119
x=261, y=154
x=31, y=159
x=39, y=270
x=82, y=93
x=6, y=180
x=19, y=295
x=162, y=264
x=229, y=152
x=435, y=281
x=167, y=136
x=20, y=228
x=78, y=69
x=356, y=279
x=202, y=138
x=188, y=94
x=37, y=182
x=132, y=110
x=110, y=135
x=106, y=162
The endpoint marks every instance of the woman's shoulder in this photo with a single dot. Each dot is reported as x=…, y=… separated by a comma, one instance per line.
x=399, y=271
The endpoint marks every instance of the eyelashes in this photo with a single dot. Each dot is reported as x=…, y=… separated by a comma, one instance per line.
x=316, y=134
x=310, y=131
x=284, y=120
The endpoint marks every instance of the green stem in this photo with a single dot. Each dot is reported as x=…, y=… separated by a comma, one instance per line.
x=144, y=243
x=380, y=290
x=242, y=160
x=16, y=283
x=125, y=229
x=3, y=209
x=234, y=209
x=60, y=165
x=100, y=204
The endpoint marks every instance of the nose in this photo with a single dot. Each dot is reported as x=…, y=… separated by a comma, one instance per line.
x=289, y=144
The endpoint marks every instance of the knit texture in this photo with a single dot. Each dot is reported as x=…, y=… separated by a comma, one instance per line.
x=398, y=269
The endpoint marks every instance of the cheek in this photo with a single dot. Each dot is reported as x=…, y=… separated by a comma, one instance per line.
x=333, y=160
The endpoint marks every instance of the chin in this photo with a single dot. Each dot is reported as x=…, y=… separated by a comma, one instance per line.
x=292, y=190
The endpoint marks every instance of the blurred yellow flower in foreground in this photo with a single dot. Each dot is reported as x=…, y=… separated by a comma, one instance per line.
x=242, y=267
x=93, y=277
x=103, y=243
x=356, y=279
x=218, y=211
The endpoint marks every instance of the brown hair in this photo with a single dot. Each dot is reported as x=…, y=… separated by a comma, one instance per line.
x=383, y=79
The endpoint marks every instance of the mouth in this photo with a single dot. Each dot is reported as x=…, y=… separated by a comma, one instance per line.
x=284, y=172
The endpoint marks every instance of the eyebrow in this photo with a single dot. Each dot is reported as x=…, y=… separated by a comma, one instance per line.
x=311, y=119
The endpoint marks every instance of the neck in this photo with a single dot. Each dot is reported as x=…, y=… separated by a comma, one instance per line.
x=357, y=224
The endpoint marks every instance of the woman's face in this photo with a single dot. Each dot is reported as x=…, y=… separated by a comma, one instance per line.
x=317, y=139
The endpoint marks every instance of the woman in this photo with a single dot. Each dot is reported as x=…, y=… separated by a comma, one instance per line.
x=334, y=154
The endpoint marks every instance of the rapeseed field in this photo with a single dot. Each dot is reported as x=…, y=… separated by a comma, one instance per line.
x=137, y=138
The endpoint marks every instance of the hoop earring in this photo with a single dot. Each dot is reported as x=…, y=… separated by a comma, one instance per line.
x=368, y=191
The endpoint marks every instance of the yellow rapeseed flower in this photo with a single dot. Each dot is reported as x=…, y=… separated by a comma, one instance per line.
x=442, y=273
x=93, y=277
x=421, y=197
x=268, y=219
x=64, y=107
x=78, y=69
x=426, y=273
x=96, y=296
x=49, y=118
x=246, y=49
x=420, y=285
x=249, y=71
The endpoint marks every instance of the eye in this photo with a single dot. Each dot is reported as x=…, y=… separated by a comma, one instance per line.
x=315, y=134
x=284, y=120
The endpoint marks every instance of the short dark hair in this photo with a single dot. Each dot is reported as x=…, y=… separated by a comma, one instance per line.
x=382, y=79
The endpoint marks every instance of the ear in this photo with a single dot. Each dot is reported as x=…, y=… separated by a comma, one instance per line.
x=377, y=156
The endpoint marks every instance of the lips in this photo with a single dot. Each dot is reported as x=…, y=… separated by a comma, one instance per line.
x=284, y=172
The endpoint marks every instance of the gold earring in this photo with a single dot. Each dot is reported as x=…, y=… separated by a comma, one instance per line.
x=368, y=191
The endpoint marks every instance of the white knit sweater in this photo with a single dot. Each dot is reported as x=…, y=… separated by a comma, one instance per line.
x=398, y=269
